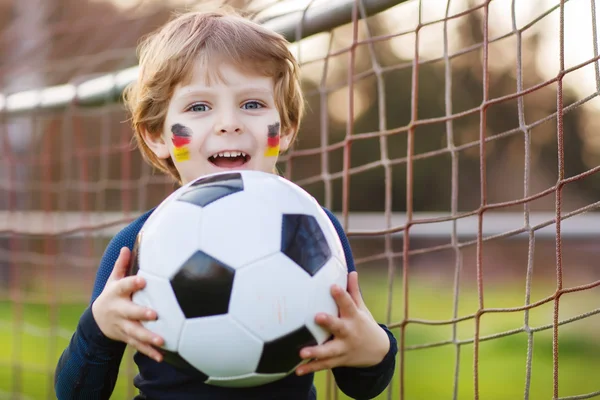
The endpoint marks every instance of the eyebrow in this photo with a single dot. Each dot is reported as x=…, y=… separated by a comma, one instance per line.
x=205, y=92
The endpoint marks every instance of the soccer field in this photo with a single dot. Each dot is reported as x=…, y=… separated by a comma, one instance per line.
x=429, y=373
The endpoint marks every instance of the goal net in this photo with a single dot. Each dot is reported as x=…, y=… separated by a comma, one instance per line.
x=456, y=140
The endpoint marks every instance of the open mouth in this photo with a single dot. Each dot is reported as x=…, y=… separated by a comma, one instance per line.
x=229, y=159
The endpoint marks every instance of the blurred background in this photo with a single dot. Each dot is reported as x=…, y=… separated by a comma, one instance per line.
x=449, y=136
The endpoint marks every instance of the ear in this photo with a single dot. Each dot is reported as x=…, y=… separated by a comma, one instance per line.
x=156, y=143
x=285, y=141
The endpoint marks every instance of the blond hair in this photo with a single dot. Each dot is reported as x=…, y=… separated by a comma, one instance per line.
x=167, y=58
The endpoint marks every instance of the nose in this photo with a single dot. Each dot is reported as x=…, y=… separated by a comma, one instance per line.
x=228, y=123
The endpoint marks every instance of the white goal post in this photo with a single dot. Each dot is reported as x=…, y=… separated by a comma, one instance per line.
x=294, y=26
x=427, y=225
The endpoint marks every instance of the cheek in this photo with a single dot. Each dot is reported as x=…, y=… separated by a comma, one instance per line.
x=181, y=154
x=181, y=137
x=273, y=137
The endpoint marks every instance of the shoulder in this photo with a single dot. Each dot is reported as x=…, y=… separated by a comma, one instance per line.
x=343, y=239
x=126, y=236
x=336, y=223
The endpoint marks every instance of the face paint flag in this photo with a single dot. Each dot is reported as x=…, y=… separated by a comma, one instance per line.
x=182, y=136
x=272, y=141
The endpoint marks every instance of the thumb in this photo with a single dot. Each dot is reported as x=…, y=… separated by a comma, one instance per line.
x=121, y=265
x=354, y=289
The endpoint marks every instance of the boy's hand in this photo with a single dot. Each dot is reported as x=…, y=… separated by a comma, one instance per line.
x=118, y=317
x=358, y=340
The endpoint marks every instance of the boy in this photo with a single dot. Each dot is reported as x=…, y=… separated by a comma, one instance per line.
x=215, y=92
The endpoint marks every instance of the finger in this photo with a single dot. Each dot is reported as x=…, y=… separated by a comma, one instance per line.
x=137, y=332
x=331, y=349
x=145, y=349
x=319, y=365
x=354, y=289
x=120, y=269
x=126, y=286
x=134, y=312
x=332, y=324
x=344, y=301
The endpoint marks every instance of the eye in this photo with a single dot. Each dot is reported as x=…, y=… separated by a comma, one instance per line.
x=252, y=105
x=198, y=107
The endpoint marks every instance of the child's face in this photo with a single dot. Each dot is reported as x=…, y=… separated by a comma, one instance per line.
x=230, y=124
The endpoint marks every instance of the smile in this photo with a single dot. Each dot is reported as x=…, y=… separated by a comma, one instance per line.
x=229, y=159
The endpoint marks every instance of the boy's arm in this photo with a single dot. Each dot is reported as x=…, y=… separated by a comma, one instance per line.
x=366, y=383
x=89, y=366
x=363, y=383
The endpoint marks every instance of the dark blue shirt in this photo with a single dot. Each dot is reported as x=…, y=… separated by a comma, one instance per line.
x=89, y=366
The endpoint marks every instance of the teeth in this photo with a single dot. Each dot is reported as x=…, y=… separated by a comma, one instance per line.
x=229, y=154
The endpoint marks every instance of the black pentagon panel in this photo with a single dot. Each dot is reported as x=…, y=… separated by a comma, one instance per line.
x=212, y=188
x=181, y=364
x=134, y=261
x=283, y=354
x=203, y=286
x=303, y=241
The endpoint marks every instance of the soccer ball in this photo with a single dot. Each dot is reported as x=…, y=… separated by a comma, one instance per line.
x=237, y=265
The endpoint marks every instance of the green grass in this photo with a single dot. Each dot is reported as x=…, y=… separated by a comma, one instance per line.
x=429, y=372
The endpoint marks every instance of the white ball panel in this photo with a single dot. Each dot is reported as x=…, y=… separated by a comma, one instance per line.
x=162, y=205
x=163, y=250
x=302, y=194
x=219, y=346
x=270, y=296
x=334, y=272
x=249, y=380
x=270, y=186
x=158, y=295
x=238, y=235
